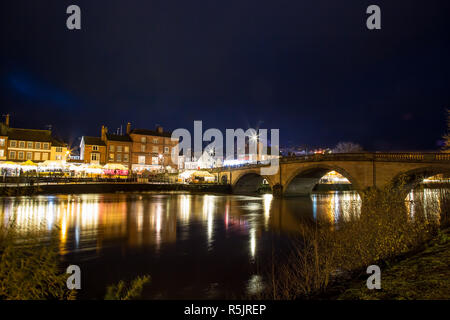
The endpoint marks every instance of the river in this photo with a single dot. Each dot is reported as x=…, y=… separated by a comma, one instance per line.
x=194, y=246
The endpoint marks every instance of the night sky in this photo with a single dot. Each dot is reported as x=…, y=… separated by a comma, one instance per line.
x=310, y=68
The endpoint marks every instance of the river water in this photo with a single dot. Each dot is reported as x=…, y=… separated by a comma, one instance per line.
x=194, y=246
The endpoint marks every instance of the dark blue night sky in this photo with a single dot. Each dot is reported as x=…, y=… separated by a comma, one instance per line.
x=310, y=68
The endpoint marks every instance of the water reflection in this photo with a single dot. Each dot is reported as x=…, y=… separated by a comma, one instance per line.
x=198, y=232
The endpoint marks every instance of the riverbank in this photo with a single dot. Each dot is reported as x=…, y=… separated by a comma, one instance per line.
x=420, y=275
x=112, y=187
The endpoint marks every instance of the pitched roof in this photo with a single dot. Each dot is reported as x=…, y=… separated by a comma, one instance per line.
x=58, y=143
x=96, y=141
x=116, y=137
x=154, y=133
x=29, y=135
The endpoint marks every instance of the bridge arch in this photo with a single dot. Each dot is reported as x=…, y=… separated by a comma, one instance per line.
x=249, y=182
x=303, y=180
x=405, y=181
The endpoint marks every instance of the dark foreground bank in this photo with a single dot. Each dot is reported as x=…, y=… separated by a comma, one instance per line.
x=420, y=275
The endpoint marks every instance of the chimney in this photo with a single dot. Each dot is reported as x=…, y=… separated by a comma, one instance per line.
x=128, y=128
x=104, y=132
x=159, y=129
x=7, y=120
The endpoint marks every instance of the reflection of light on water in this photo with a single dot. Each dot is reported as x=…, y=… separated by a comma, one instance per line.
x=185, y=207
x=333, y=206
x=267, y=204
x=314, y=205
x=255, y=284
x=208, y=207
x=158, y=224
x=252, y=241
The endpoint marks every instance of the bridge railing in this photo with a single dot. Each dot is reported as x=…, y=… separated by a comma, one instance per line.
x=361, y=156
x=381, y=156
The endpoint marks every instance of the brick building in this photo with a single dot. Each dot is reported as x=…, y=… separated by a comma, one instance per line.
x=118, y=148
x=29, y=144
x=93, y=150
x=152, y=149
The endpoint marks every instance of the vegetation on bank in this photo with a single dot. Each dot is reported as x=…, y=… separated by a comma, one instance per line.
x=30, y=270
x=326, y=256
x=423, y=275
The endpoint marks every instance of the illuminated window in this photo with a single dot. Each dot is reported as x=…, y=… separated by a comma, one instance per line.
x=155, y=149
x=119, y=148
x=2, y=142
x=126, y=149
x=111, y=157
x=12, y=154
x=143, y=140
x=155, y=140
x=37, y=156
x=111, y=148
x=155, y=160
x=45, y=156
x=29, y=155
x=141, y=159
x=2, y=153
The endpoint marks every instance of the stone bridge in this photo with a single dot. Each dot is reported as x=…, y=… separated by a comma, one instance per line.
x=297, y=176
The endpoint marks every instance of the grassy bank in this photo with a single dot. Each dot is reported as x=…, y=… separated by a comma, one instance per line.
x=325, y=257
x=419, y=276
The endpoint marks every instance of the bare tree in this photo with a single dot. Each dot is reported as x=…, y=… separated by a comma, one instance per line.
x=447, y=135
x=347, y=147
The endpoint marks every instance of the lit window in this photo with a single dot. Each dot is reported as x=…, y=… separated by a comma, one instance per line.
x=127, y=149
x=111, y=157
x=12, y=154
x=2, y=142
x=29, y=155
x=37, y=156
x=141, y=159
x=119, y=148
x=143, y=140
x=155, y=149
x=111, y=148
x=2, y=153
x=45, y=156
x=155, y=140
x=155, y=160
